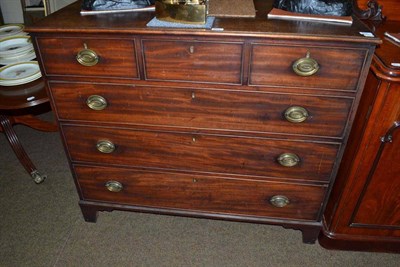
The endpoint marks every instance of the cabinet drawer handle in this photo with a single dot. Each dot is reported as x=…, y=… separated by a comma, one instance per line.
x=96, y=102
x=305, y=66
x=87, y=57
x=114, y=186
x=288, y=159
x=296, y=114
x=279, y=201
x=105, y=146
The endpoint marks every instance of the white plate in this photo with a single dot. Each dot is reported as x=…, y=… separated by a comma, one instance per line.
x=24, y=81
x=24, y=57
x=24, y=53
x=19, y=73
x=21, y=81
x=11, y=29
x=15, y=45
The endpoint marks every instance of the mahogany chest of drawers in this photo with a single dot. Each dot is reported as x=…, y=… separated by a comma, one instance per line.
x=246, y=124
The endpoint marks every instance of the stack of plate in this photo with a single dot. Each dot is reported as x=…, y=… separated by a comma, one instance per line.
x=19, y=73
x=11, y=30
x=15, y=46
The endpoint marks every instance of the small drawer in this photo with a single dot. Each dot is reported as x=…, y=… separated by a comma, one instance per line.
x=206, y=109
x=109, y=58
x=193, y=61
x=332, y=68
x=200, y=193
x=202, y=153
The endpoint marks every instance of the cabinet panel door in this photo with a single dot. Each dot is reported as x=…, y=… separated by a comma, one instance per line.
x=380, y=199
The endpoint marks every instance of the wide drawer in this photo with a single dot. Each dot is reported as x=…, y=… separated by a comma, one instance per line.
x=339, y=68
x=193, y=61
x=116, y=57
x=199, y=193
x=201, y=153
x=206, y=109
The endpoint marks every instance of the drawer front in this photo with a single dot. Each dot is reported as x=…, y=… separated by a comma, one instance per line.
x=206, y=109
x=339, y=68
x=193, y=61
x=116, y=58
x=199, y=193
x=201, y=153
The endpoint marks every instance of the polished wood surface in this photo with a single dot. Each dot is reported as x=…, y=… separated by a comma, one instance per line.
x=387, y=53
x=339, y=66
x=363, y=212
x=23, y=96
x=202, y=153
x=166, y=59
x=194, y=122
x=189, y=108
x=206, y=193
x=117, y=57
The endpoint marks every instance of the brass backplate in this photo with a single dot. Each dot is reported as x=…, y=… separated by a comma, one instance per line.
x=182, y=11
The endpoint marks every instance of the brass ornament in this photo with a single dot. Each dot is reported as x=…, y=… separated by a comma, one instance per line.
x=279, y=201
x=288, y=159
x=296, y=114
x=114, y=186
x=96, y=102
x=306, y=66
x=87, y=57
x=105, y=146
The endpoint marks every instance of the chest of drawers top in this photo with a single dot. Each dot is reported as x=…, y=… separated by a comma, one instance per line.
x=69, y=21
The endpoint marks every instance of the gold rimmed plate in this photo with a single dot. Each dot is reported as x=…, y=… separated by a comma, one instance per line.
x=11, y=29
x=20, y=58
x=19, y=73
x=15, y=45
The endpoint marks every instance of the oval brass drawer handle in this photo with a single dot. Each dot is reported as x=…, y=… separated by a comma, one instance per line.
x=288, y=159
x=306, y=66
x=114, y=186
x=279, y=201
x=296, y=114
x=105, y=146
x=87, y=57
x=96, y=102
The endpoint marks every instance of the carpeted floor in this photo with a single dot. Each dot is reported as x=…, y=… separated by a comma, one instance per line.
x=41, y=225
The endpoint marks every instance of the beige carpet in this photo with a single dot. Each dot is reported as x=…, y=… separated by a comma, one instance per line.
x=41, y=225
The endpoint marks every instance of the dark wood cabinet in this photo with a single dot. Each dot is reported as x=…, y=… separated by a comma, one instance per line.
x=226, y=124
x=363, y=212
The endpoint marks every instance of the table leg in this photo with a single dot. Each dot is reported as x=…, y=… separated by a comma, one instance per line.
x=7, y=127
x=35, y=123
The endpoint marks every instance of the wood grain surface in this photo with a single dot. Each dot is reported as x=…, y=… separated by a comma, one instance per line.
x=206, y=194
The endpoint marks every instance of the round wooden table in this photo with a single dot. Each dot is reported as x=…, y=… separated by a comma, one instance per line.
x=19, y=105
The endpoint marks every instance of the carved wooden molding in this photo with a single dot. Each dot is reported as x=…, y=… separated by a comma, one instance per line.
x=373, y=12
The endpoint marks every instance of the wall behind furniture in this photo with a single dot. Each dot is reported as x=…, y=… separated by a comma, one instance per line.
x=12, y=11
x=58, y=4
